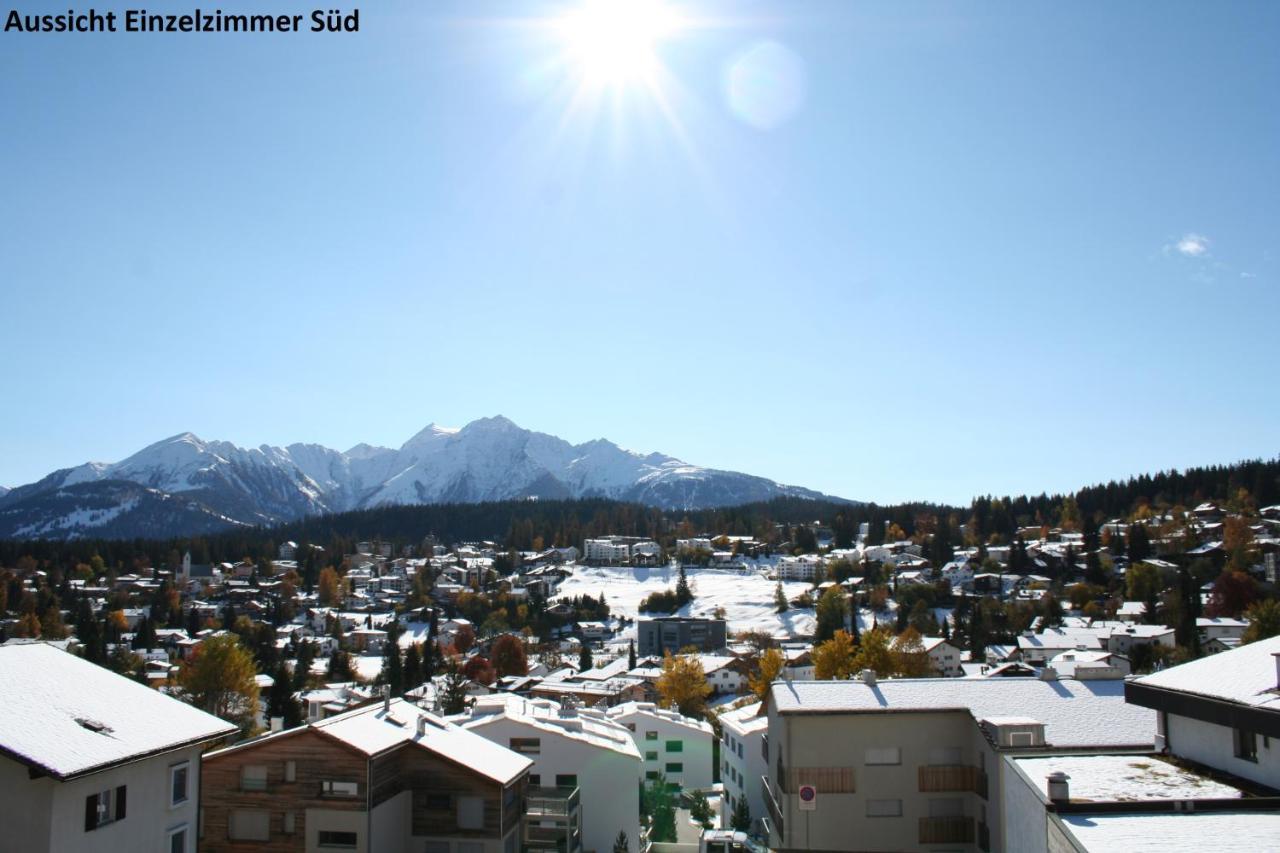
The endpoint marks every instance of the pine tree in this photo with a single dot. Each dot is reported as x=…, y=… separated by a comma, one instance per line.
x=453, y=691
x=621, y=844
x=780, y=603
x=631, y=655
x=392, y=669
x=413, y=668
x=683, y=593
x=740, y=820
x=584, y=658
x=280, y=701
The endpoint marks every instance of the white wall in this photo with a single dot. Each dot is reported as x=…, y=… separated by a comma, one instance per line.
x=392, y=824
x=606, y=778
x=750, y=767
x=1214, y=746
x=336, y=821
x=696, y=744
x=148, y=816
x=1023, y=809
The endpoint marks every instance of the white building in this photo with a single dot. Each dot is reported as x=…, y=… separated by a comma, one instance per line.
x=672, y=744
x=1222, y=711
x=605, y=551
x=805, y=567
x=90, y=760
x=944, y=656
x=742, y=763
x=570, y=748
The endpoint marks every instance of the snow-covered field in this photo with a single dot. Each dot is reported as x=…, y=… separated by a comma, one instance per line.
x=747, y=597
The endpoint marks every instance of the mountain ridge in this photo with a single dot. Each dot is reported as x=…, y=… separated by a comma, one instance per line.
x=186, y=484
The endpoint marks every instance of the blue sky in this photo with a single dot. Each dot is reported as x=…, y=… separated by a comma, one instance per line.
x=999, y=247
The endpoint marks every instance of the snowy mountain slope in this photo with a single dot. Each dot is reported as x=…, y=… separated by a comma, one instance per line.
x=487, y=460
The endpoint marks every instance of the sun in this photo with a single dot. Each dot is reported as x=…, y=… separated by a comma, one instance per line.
x=614, y=42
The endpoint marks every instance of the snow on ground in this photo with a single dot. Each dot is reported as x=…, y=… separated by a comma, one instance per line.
x=747, y=598
x=366, y=667
x=1124, y=778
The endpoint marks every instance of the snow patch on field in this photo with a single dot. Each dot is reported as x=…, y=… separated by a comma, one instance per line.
x=747, y=597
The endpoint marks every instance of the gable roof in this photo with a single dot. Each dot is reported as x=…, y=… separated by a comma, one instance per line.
x=67, y=717
x=1246, y=675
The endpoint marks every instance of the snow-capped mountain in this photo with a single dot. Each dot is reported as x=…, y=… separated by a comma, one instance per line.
x=185, y=485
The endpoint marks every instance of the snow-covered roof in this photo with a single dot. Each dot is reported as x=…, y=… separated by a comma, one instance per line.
x=69, y=717
x=1171, y=832
x=550, y=718
x=746, y=719
x=1074, y=713
x=626, y=710
x=1124, y=778
x=374, y=729
x=1246, y=675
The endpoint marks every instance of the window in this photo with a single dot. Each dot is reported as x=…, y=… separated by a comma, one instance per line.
x=329, y=838
x=526, y=745
x=436, y=847
x=675, y=767
x=651, y=774
x=290, y=823
x=675, y=746
x=651, y=755
x=178, y=783
x=104, y=807
x=884, y=755
x=945, y=756
x=535, y=780
x=740, y=754
x=470, y=812
x=566, y=780
x=946, y=807
x=178, y=840
x=884, y=808
x=332, y=788
x=1246, y=743
x=253, y=778
x=291, y=771
x=248, y=825
x=650, y=735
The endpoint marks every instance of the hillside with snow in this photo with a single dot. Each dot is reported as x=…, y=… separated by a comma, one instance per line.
x=192, y=485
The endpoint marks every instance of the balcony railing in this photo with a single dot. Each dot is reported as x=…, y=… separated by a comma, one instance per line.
x=771, y=803
x=828, y=780
x=984, y=838
x=946, y=830
x=953, y=777
x=551, y=802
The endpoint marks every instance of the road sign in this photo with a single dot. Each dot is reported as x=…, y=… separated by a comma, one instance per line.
x=808, y=798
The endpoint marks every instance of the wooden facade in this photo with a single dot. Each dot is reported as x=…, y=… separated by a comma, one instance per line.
x=435, y=782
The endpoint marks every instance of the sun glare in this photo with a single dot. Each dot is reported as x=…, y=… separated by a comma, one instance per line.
x=614, y=42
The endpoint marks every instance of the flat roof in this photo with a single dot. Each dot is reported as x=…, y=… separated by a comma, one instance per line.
x=1074, y=713
x=1188, y=832
x=1124, y=778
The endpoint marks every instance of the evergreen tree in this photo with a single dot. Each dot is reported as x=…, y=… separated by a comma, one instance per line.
x=302, y=666
x=452, y=693
x=584, y=658
x=280, y=701
x=621, y=844
x=392, y=673
x=339, y=667
x=413, y=676
x=631, y=655
x=683, y=593
x=780, y=603
x=740, y=820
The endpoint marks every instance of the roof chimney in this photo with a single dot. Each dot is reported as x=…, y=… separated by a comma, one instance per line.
x=868, y=677
x=1276, y=655
x=1048, y=674
x=1059, y=789
x=386, y=699
x=422, y=725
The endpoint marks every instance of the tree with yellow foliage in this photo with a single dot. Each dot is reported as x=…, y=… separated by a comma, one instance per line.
x=327, y=587
x=835, y=659
x=683, y=685
x=910, y=660
x=770, y=666
x=220, y=679
x=874, y=653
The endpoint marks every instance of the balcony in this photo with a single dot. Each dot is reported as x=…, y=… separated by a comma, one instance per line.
x=551, y=802
x=946, y=830
x=828, y=780
x=936, y=778
x=771, y=803
x=984, y=838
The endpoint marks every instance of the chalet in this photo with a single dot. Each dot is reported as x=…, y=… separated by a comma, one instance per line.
x=387, y=777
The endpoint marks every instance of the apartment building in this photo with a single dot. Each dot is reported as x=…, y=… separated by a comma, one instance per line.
x=673, y=745
x=912, y=764
x=605, y=551
x=583, y=764
x=672, y=633
x=389, y=777
x=742, y=764
x=93, y=761
x=805, y=567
